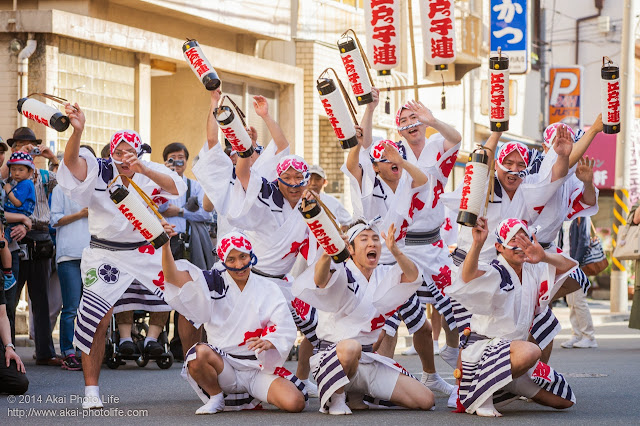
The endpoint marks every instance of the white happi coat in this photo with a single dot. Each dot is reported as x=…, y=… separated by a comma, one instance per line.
x=528, y=201
x=231, y=316
x=350, y=306
x=106, y=273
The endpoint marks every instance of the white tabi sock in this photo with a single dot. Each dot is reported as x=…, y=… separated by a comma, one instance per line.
x=450, y=355
x=213, y=406
x=312, y=389
x=487, y=409
x=436, y=384
x=338, y=404
x=91, y=398
x=452, y=402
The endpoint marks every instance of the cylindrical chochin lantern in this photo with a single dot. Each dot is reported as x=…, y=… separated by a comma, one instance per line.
x=200, y=65
x=382, y=25
x=137, y=214
x=43, y=114
x=338, y=112
x=437, y=21
x=323, y=228
x=499, y=93
x=474, y=186
x=610, y=97
x=356, y=69
x=233, y=129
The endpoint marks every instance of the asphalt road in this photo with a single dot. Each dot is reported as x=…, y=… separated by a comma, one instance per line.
x=605, y=381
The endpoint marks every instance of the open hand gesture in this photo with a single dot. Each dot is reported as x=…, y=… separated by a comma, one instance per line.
x=390, y=239
x=261, y=106
x=534, y=253
x=392, y=154
x=424, y=114
x=563, y=142
x=134, y=163
x=584, y=170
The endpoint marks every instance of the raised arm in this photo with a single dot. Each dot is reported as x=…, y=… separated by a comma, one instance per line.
x=367, y=119
x=470, y=269
x=72, y=160
x=409, y=269
x=580, y=147
x=207, y=205
x=169, y=269
x=353, y=158
x=417, y=175
x=492, y=142
x=322, y=271
x=452, y=136
x=262, y=109
x=212, y=124
x=563, y=146
x=584, y=172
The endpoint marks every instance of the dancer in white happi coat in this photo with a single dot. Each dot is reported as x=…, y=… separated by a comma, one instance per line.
x=436, y=156
x=118, y=253
x=249, y=329
x=498, y=364
x=354, y=299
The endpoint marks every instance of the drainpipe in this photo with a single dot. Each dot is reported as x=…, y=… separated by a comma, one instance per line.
x=23, y=73
x=599, y=6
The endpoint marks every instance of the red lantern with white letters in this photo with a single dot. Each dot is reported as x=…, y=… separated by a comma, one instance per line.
x=42, y=113
x=356, y=66
x=382, y=24
x=234, y=128
x=499, y=92
x=610, y=96
x=339, y=109
x=476, y=174
x=438, y=32
x=322, y=225
x=199, y=64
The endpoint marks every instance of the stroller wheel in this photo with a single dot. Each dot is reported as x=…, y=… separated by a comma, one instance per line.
x=113, y=362
x=142, y=361
x=165, y=361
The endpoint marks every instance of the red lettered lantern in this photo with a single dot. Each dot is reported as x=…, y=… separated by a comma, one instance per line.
x=474, y=184
x=43, y=114
x=499, y=93
x=356, y=68
x=338, y=109
x=438, y=32
x=232, y=125
x=200, y=66
x=610, y=97
x=324, y=230
x=382, y=20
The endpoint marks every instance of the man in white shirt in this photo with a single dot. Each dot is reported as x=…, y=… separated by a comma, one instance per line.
x=317, y=182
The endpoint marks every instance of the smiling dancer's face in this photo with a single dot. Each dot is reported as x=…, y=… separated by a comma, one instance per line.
x=292, y=177
x=514, y=163
x=413, y=135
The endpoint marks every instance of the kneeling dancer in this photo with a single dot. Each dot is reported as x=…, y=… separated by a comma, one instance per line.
x=248, y=324
x=354, y=299
x=504, y=297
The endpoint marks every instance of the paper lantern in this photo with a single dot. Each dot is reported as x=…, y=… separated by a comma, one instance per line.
x=610, y=97
x=382, y=24
x=337, y=106
x=234, y=129
x=437, y=20
x=499, y=93
x=138, y=215
x=200, y=66
x=324, y=230
x=474, y=187
x=43, y=114
x=356, y=68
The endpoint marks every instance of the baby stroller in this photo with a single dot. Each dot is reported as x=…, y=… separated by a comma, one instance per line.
x=113, y=357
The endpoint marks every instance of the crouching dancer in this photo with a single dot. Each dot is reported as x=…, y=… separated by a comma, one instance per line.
x=498, y=364
x=353, y=300
x=248, y=324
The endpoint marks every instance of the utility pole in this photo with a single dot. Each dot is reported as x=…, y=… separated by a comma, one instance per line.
x=544, y=107
x=619, y=291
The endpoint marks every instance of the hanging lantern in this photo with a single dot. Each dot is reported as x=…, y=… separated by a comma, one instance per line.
x=324, y=228
x=233, y=127
x=200, y=65
x=356, y=67
x=610, y=96
x=438, y=32
x=382, y=21
x=42, y=113
x=138, y=215
x=339, y=109
x=499, y=92
x=474, y=184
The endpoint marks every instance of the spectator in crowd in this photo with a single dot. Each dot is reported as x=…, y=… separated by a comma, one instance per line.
x=106, y=152
x=72, y=231
x=35, y=269
x=317, y=183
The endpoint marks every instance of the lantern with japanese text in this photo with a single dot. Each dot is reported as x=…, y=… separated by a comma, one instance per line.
x=474, y=184
x=382, y=24
x=138, y=215
x=200, y=65
x=322, y=225
x=232, y=124
x=499, y=92
x=610, y=96
x=42, y=113
x=356, y=67
x=438, y=32
x=339, y=109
